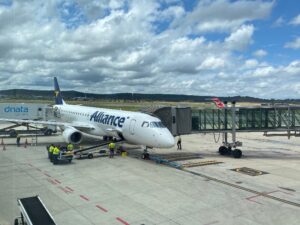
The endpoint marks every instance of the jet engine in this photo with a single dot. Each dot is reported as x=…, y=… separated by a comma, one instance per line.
x=72, y=135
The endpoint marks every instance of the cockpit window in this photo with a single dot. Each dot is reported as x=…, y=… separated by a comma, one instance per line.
x=145, y=124
x=157, y=124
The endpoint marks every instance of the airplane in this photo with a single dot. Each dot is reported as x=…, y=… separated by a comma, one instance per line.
x=77, y=121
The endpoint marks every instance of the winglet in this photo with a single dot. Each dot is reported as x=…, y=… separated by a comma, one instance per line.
x=58, y=98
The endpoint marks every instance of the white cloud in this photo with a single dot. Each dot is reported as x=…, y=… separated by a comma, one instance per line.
x=117, y=47
x=296, y=20
x=251, y=63
x=211, y=63
x=279, y=22
x=294, y=44
x=293, y=68
x=260, y=53
x=224, y=15
x=241, y=38
x=264, y=71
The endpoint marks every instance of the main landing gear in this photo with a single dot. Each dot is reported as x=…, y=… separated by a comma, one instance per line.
x=236, y=153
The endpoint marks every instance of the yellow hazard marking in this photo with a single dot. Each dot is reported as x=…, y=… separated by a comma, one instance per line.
x=202, y=163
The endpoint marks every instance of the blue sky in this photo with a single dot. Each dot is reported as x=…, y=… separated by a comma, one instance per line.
x=206, y=47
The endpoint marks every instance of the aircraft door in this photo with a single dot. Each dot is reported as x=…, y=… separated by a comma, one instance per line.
x=131, y=126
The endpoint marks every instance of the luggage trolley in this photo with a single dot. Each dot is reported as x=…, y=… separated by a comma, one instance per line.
x=33, y=212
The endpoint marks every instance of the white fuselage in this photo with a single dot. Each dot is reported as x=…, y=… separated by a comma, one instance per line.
x=135, y=127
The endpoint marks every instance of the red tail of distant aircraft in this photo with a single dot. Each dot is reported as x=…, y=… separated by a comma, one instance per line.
x=218, y=103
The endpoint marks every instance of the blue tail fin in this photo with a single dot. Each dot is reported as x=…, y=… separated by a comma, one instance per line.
x=58, y=98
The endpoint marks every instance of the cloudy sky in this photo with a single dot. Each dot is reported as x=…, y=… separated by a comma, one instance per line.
x=194, y=47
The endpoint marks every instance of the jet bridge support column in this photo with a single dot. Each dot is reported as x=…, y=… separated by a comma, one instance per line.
x=226, y=148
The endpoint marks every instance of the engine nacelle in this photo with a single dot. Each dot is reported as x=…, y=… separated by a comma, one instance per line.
x=72, y=136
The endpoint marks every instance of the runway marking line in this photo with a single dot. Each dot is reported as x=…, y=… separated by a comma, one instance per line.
x=296, y=204
x=122, y=221
x=101, y=208
x=85, y=198
x=263, y=194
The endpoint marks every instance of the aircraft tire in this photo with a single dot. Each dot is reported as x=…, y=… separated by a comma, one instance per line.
x=90, y=156
x=237, y=153
x=223, y=150
x=145, y=156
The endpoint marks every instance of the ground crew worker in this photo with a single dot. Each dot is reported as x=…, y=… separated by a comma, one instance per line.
x=50, y=152
x=55, y=154
x=111, y=147
x=70, y=147
x=18, y=140
x=179, y=143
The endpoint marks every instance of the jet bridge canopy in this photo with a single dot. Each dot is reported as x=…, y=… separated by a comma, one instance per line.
x=176, y=119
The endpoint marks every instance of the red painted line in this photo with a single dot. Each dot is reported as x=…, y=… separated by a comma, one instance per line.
x=57, y=181
x=251, y=200
x=51, y=181
x=46, y=174
x=83, y=197
x=63, y=189
x=103, y=209
x=70, y=189
x=122, y=221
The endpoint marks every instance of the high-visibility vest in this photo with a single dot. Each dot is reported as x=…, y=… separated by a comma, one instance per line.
x=56, y=151
x=70, y=147
x=51, y=148
x=112, y=145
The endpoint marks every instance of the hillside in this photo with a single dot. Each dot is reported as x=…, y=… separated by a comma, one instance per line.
x=39, y=94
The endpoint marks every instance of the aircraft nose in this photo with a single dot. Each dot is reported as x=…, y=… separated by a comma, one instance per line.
x=168, y=141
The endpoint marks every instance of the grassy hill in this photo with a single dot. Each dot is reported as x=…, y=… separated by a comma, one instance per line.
x=75, y=95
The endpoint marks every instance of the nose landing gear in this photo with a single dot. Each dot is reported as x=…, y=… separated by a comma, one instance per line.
x=145, y=155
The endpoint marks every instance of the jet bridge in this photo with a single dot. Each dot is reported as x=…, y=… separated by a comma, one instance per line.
x=272, y=120
x=244, y=119
x=234, y=119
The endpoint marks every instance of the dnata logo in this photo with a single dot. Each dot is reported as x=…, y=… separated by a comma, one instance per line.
x=11, y=109
x=103, y=118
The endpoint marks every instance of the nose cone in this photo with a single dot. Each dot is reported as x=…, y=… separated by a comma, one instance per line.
x=168, y=140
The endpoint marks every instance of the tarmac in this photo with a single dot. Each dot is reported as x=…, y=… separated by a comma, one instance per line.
x=129, y=190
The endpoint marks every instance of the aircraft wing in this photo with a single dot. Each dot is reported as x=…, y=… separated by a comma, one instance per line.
x=78, y=125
